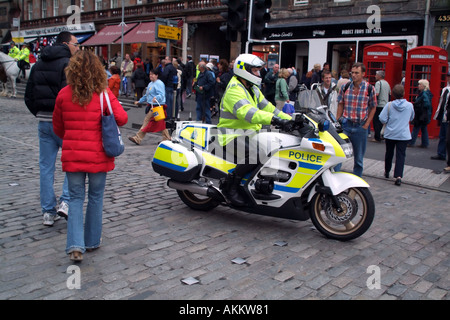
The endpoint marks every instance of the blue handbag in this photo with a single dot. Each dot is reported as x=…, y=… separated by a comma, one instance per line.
x=111, y=136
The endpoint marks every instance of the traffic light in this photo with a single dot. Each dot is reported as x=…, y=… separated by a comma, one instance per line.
x=260, y=16
x=235, y=16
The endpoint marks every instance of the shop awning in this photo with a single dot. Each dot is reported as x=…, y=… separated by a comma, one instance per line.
x=108, y=35
x=144, y=32
x=83, y=36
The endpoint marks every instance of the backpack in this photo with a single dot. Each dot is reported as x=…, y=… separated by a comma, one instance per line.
x=369, y=89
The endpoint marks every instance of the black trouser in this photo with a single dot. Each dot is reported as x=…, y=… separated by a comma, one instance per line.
x=377, y=125
x=400, y=155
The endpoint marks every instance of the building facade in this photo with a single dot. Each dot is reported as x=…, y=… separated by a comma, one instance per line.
x=301, y=32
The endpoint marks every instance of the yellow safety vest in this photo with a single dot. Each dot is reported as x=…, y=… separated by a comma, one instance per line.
x=239, y=110
x=14, y=52
x=24, y=54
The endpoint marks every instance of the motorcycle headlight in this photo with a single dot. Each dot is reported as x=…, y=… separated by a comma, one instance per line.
x=348, y=150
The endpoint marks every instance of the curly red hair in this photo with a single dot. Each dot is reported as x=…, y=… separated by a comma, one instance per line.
x=85, y=74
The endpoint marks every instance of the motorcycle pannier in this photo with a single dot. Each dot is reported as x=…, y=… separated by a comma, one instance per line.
x=175, y=161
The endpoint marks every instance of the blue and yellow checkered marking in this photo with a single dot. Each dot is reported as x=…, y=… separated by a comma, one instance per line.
x=170, y=158
x=240, y=65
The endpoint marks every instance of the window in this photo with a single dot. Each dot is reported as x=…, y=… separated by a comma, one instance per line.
x=114, y=4
x=44, y=8
x=98, y=5
x=55, y=8
x=82, y=5
x=30, y=10
x=301, y=2
x=342, y=0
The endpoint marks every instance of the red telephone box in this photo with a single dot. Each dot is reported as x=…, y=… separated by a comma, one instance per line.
x=385, y=57
x=430, y=63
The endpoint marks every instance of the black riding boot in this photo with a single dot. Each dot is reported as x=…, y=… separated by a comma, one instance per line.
x=231, y=190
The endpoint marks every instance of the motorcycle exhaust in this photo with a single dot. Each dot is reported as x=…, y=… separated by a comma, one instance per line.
x=195, y=188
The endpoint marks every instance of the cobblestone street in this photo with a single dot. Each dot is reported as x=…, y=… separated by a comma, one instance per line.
x=152, y=241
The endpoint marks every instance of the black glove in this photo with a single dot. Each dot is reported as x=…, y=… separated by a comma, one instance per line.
x=283, y=124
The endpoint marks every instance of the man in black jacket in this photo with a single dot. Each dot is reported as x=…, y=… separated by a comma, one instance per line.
x=168, y=72
x=46, y=79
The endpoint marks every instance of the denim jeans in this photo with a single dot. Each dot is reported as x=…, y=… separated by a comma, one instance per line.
x=358, y=138
x=49, y=144
x=203, y=108
x=415, y=133
x=79, y=238
x=441, y=149
x=169, y=102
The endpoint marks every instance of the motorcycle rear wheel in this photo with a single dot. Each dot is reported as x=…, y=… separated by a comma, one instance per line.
x=357, y=216
x=197, y=202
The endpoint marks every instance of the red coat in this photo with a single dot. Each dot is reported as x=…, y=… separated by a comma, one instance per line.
x=81, y=131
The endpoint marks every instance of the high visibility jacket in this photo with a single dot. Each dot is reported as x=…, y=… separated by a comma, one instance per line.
x=240, y=109
x=24, y=55
x=13, y=52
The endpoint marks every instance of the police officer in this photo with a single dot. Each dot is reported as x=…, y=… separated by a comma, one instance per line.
x=243, y=111
x=23, y=58
x=13, y=51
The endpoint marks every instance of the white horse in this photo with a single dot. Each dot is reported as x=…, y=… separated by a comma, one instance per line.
x=12, y=72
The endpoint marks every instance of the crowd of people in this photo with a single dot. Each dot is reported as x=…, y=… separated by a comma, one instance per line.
x=62, y=103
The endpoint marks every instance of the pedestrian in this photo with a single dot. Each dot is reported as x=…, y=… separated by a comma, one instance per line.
x=139, y=80
x=356, y=104
x=46, y=79
x=292, y=82
x=422, y=110
x=383, y=90
x=270, y=83
x=154, y=96
x=127, y=71
x=442, y=120
x=326, y=92
x=317, y=74
x=282, y=89
x=345, y=77
x=222, y=79
x=396, y=115
x=190, y=71
x=178, y=97
x=169, y=77
x=204, y=90
x=114, y=80
x=77, y=121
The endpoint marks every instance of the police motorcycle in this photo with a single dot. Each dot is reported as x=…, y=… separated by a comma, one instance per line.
x=295, y=180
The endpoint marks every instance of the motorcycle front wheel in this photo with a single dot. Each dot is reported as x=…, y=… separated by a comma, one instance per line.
x=197, y=202
x=358, y=212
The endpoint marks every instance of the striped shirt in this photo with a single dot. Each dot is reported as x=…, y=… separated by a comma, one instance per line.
x=357, y=103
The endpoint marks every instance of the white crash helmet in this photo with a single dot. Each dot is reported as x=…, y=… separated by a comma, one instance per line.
x=243, y=67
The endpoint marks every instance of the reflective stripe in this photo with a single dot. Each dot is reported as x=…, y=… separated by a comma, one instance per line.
x=240, y=104
x=262, y=104
x=276, y=111
x=227, y=115
x=250, y=114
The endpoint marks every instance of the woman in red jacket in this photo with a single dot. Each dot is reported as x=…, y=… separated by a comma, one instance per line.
x=77, y=120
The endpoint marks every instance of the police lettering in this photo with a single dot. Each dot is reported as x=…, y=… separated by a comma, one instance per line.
x=305, y=156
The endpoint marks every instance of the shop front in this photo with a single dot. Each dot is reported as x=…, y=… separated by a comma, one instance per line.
x=340, y=44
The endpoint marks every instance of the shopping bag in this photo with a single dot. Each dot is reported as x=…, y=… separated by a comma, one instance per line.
x=111, y=136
